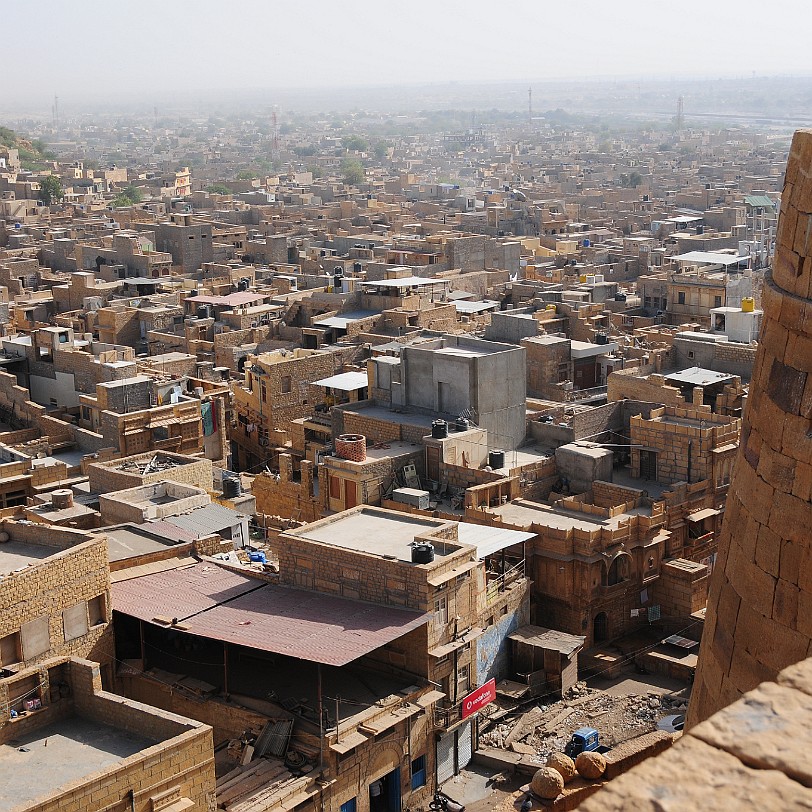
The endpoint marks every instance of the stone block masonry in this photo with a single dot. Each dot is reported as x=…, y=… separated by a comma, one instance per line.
x=759, y=617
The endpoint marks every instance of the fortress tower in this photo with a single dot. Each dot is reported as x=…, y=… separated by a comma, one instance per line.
x=759, y=617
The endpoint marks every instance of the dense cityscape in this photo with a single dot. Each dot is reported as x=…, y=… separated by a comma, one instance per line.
x=401, y=447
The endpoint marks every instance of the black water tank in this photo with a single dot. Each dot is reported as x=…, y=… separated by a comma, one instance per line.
x=601, y=338
x=232, y=487
x=496, y=459
x=462, y=424
x=439, y=429
x=422, y=553
x=202, y=312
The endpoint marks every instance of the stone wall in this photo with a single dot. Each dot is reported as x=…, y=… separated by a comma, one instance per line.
x=759, y=617
x=75, y=574
x=181, y=761
x=750, y=755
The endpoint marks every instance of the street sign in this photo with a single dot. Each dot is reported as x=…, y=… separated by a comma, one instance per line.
x=477, y=699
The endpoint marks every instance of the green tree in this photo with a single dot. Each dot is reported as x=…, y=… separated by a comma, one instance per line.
x=133, y=193
x=246, y=175
x=51, y=190
x=8, y=138
x=381, y=149
x=352, y=172
x=128, y=196
x=218, y=189
x=355, y=143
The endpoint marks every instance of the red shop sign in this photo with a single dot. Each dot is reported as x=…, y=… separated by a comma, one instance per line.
x=477, y=699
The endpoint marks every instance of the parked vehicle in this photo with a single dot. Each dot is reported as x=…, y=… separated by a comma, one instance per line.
x=584, y=740
x=443, y=803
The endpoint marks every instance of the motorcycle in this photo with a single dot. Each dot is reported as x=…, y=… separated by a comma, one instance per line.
x=442, y=803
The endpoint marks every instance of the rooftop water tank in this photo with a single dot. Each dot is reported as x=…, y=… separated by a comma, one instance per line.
x=422, y=552
x=439, y=429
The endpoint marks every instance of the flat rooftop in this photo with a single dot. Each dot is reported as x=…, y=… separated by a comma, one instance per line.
x=373, y=532
x=381, y=413
x=41, y=762
x=17, y=555
x=128, y=542
x=697, y=376
x=523, y=513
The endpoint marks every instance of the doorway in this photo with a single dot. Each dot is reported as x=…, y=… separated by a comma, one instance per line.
x=384, y=794
x=648, y=465
x=600, y=628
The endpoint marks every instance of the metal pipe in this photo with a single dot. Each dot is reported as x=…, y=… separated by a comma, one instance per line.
x=321, y=719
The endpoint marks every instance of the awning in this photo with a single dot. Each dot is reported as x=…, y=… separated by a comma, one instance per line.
x=345, y=381
x=586, y=349
x=405, y=282
x=549, y=639
x=387, y=720
x=466, y=307
x=431, y=698
x=455, y=572
x=463, y=640
x=702, y=514
x=489, y=540
x=710, y=258
x=209, y=601
x=348, y=741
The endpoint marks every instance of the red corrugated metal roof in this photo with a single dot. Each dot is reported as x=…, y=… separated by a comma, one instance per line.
x=294, y=622
x=180, y=593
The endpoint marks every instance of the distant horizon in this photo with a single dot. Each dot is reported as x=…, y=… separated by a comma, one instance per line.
x=348, y=98
x=101, y=52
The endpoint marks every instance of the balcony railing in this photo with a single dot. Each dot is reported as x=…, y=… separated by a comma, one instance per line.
x=447, y=714
x=698, y=541
x=321, y=418
x=499, y=583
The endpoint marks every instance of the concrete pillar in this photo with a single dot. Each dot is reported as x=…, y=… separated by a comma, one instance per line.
x=759, y=616
x=698, y=396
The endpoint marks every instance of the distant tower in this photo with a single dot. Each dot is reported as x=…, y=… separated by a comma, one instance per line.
x=530, y=106
x=680, y=120
x=275, y=137
x=56, y=113
x=155, y=114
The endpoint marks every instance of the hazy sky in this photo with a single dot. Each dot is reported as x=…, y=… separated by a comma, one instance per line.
x=95, y=48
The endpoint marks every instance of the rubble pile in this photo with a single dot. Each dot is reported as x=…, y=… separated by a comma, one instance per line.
x=540, y=730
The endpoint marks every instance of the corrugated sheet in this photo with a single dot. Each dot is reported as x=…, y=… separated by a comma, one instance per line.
x=179, y=593
x=221, y=605
x=205, y=520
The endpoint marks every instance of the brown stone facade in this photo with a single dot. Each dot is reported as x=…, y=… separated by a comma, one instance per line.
x=61, y=605
x=177, y=767
x=759, y=617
